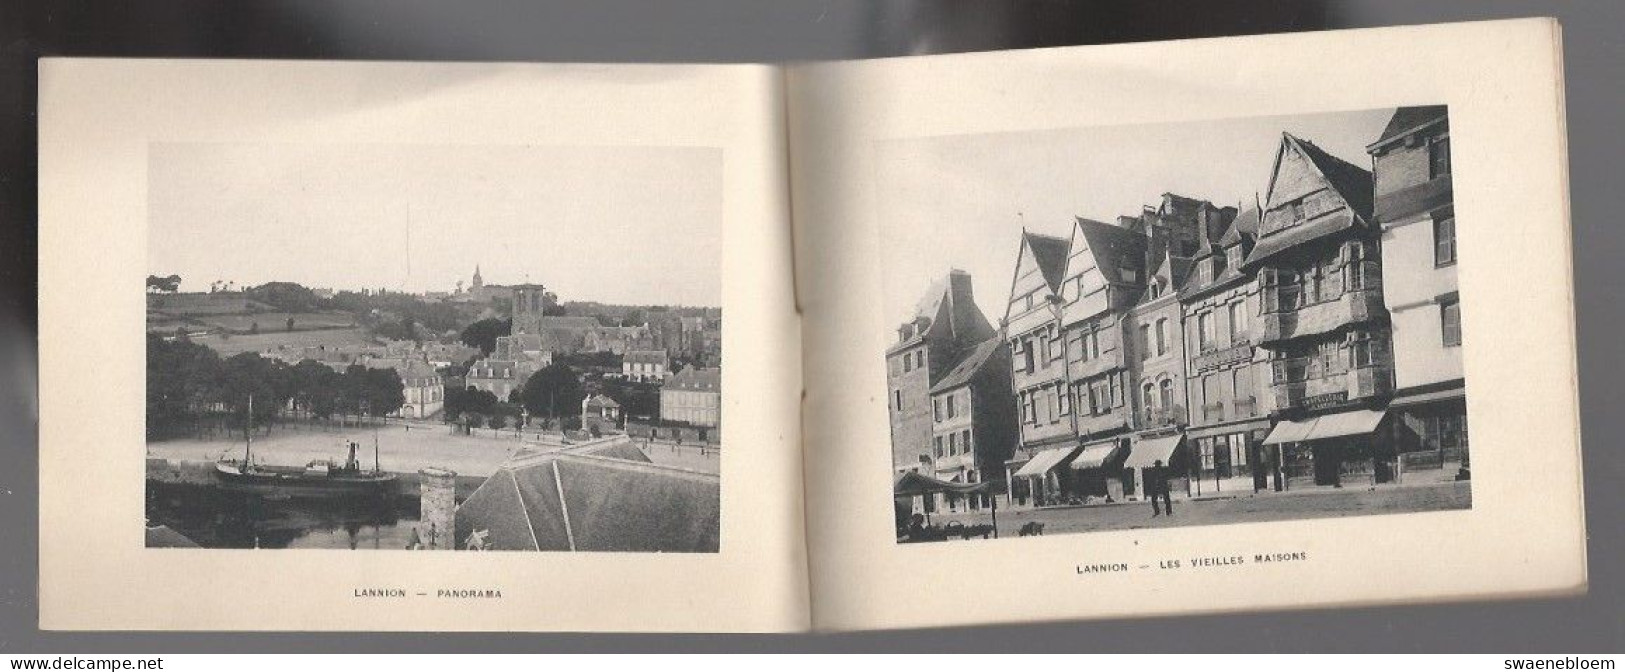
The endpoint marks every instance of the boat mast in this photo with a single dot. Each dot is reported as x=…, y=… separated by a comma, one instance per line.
x=248, y=434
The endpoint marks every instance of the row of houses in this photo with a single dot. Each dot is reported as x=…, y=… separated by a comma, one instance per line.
x=1308, y=338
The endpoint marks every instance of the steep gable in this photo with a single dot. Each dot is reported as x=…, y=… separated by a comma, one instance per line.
x=1311, y=195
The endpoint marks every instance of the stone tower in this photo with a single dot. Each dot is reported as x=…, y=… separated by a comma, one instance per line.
x=437, y=496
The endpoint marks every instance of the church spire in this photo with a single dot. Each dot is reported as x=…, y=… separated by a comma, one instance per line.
x=478, y=281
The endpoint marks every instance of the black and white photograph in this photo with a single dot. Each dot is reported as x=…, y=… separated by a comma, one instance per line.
x=433, y=347
x=1202, y=323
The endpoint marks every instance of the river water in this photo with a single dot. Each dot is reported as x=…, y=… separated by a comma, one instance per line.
x=215, y=518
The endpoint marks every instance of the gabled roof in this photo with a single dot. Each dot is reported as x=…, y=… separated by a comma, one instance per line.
x=1351, y=182
x=604, y=495
x=1049, y=252
x=696, y=379
x=1245, y=225
x=967, y=368
x=1407, y=119
x=1114, y=248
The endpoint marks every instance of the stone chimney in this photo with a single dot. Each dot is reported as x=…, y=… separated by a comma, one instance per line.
x=437, y=497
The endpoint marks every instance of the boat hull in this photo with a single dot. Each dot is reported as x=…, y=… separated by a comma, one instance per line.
x=294, y=484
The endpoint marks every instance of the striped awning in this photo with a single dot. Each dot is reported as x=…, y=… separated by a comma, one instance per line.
x=1096, y=455
x=1290, y=431
x=1045, y=461
x=1147, y=452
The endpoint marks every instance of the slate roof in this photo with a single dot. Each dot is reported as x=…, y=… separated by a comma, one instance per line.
x=603, y=495
x=696, y=379
x=1049, y=252
x=967, y=368
x=1408, y=118
x=646, y=356
x=1245, y=224
x=1351, y=182
x=1114, y=247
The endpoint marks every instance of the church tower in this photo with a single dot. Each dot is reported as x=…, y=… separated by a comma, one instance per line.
x=478, y=281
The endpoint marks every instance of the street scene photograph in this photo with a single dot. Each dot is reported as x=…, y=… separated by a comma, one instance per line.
x=434, y=347
x=1202, y=323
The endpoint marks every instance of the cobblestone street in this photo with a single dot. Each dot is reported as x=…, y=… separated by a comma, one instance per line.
x=1246, y=508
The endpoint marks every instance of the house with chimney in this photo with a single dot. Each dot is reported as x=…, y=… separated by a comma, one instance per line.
x=1324, y=322
x=1415, y=206
x=1226, y=373
x=945, y=326
x=1047, y=439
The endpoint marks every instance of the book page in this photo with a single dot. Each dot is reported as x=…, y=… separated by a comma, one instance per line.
x=1188, y=327
x=397, y=313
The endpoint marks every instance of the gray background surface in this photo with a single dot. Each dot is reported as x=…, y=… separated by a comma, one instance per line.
x=752, y=30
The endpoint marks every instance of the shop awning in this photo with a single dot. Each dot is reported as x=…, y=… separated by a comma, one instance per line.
x=1407, y=400
x=1147, y=452
x=1351, y=423
x=1045, y=461
x=909, y=484
x=1096, y=455
x=1290, y=431
x=1233, y=428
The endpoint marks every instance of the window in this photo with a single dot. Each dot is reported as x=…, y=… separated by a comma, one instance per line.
x=1145, y=341
x=1450, y=320
x=936, y=409
x=1066, y=400
x=1162, y=337
x=897, y=399
x=1148, y=394
x=1117, y=390
x=1156, y=289
x=1439, y=157
x=1077, y=346
x=908, y=362
x=951, y=405
x=939, y=447
x=964, y=441
x=1206, y=331
x=1167, y=393
x=1094, y=341
x=1444, y=239
x=1238, y=320
x=1242, y=383
x=1027, y=355
x=953, y=444
x=1054, y=392
x=1360, y=353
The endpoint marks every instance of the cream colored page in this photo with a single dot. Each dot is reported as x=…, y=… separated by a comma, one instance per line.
x=101, y=121
x=1523, y=534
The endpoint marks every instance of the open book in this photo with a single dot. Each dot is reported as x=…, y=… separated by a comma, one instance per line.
x=1075, y=333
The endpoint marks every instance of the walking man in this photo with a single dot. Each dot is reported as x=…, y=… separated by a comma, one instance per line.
x=1156, y=485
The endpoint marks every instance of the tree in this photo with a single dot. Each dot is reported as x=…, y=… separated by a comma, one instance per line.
x=243, y=376
x=497, y=422
x=633, y=318
x=384, y=392
x=182, y=377
x=290, y=324
x=553, y=391
x=287, y=297
x=483, y=334
x=165, y=285
x=316, y=388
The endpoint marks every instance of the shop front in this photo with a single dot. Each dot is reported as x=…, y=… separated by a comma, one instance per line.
x=1351, y=447
x=1230, y=458
x=1045, y=477
x=1435, y=424
x=1097, y=471
x=1146, y=451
